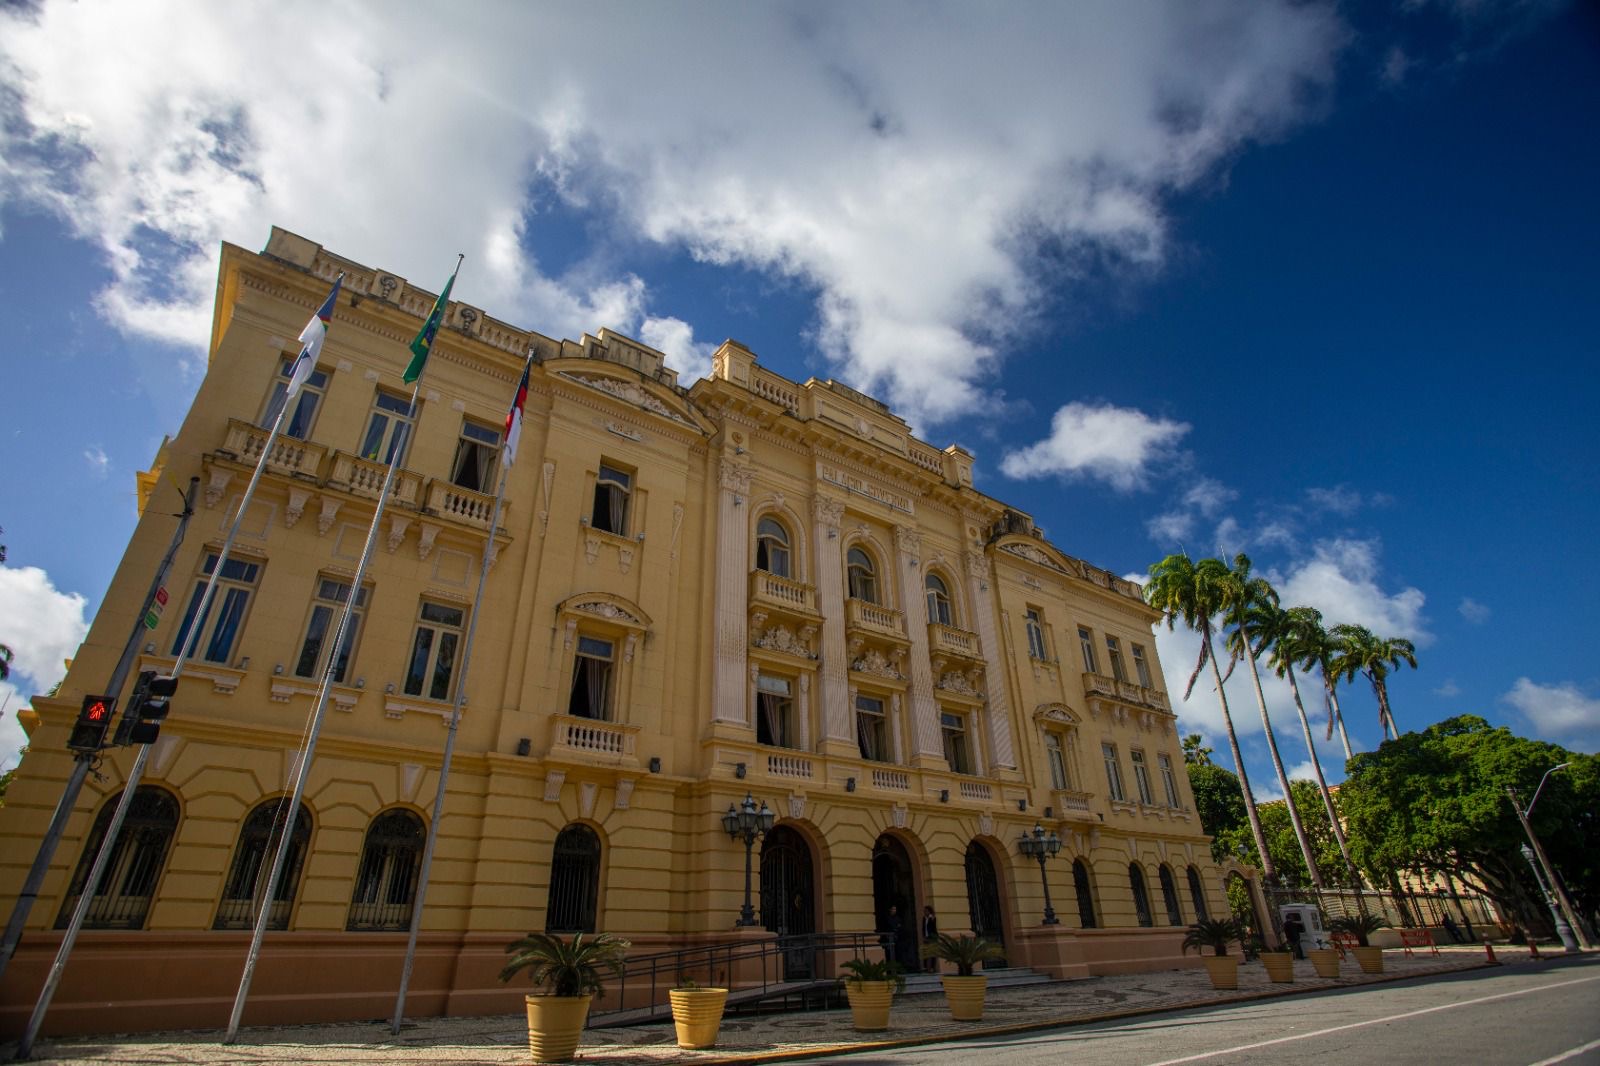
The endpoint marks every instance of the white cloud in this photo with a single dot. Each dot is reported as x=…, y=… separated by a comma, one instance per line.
x=1172, y=527
x=1302, y=771
x=1341, y=499
x=43, y=627
x=99, y=462
x=1448, y=690
x=674, y=338
x=1473, y=611
x=1340, y=579
x=829, y=145
x=1558, y=712
x=1117, y=445
x=1209, y=497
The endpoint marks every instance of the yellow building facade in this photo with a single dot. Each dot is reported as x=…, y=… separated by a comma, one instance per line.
x=747, y=586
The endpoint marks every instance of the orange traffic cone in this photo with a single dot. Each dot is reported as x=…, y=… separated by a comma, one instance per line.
x=1488, y=947
x=1533, y=949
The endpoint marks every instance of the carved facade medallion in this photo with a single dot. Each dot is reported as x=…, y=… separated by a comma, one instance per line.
x=874, y=662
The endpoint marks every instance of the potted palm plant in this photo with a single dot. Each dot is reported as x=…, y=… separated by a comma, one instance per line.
x=570, y=972
x=870, y=985
x=697, y=1013
x=1216, y=934
x=1362, y=926
x=963, y=990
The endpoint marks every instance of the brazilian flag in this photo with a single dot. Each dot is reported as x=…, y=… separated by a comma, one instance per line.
x=423, y=344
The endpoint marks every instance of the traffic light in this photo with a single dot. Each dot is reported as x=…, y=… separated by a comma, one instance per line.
x=94, y=719
x=152, y=696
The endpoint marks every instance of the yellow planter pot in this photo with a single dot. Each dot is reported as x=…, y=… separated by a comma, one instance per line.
x=697, y=1015
x=869, y=1004
x=1326, y=961
x=1224, y=970
x=1280, y=966
x=1371, y=959
x=555, y=1025
x=965, y=996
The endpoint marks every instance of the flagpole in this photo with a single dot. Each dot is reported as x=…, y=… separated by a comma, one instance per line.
x=449, y=750
x=191, y=640
x=308, y=752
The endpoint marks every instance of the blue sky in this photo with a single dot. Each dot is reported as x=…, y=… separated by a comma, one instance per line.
x=1315, y=282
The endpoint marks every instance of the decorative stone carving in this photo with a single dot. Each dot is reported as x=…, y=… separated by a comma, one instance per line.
x=627, y=392
x=553, y=780
x=607, y=610
x=544, y=512
x=986, y=824
x=827, y=511
x=908, y=540
x=1032, y=554
x=1133, y=850
x=427, y=531
x=874, y=663
x=387, y=283
x=591, y=547
x=899, y=815
x=677, y=528
x=398, y=524
x=624, y=559
x=977, y=565
x=330, y=511
x=963, y=684
x=735, y=477
x=624, y=794
x=217, y=485
x=797, y=806
x=587, y=793
x=571, y=628
x=628, y=646
x=782, y=638
x=296, y=508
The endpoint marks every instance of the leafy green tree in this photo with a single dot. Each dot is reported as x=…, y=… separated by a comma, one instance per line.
x=1219, y=801
x=1195, y=593
x=1436, y=800
x=1362, y=652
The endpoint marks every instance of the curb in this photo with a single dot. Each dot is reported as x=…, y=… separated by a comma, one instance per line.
x=862, y=1047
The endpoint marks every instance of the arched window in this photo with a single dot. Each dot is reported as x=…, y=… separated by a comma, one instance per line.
x=861, y=576
x=1085, y=890
x=772, y=547
x=386, y=881
x=1198, y=894
x=938, y=600
x=122, y=898
x=1169, y=897
x=1141, y=898
x=574, y=881
x=259, y=839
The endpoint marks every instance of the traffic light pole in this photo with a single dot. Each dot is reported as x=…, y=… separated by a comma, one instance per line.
x=84, y=760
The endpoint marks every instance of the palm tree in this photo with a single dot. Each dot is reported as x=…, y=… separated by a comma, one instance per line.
x=1286, y=635
x=1362, y=652
x=1183, y=589
x=1195, y=751
x=1318, y=648
x=1252, y=601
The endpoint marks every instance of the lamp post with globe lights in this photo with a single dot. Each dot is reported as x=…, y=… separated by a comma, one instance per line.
x=1037, y=845
x=747, y=823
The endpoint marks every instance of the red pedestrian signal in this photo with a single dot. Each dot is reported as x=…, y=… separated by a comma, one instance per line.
x=94, y=721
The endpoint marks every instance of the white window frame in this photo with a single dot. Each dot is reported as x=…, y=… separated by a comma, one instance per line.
x=439, y=652
x=774, y=553
x=307, y=403
x=1055, y=753
x=1086, y=643
x=861, y=578
x=327, y=605
x=937, y=591
x=391, y=423
x=775, y=701
x=878, y=724
x=1168, y=780
x=1141, y=666
x=603, y=652
x=1033, y=621
x=613, y=493
x=1114, y=654
x=955, y=733
x=1108, y=752
x=1141, y=777
x=227, y=613
x=477, y=458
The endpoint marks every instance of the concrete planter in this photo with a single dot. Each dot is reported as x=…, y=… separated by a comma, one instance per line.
x=869, y=1004
x=1326, y=961
x=1371, y=959
x=1280, y=966
x=555, y=1025
x=697, y=1015
x=965, y=996
x=1223, y=969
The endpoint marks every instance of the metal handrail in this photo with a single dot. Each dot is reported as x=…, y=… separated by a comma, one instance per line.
x=650, y=976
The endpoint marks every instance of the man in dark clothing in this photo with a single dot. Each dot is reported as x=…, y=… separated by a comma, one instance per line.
x=889, y=935
x=930, y=937
x=1293, y=930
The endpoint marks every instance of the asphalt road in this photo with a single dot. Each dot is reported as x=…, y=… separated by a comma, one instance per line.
x=1514, y=1016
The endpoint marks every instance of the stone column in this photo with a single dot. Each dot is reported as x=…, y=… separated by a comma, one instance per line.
x=733, y=580
x=837, y=718
x=997, y=716
x=927, y=750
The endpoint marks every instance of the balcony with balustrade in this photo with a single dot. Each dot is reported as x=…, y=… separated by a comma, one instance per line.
x=1073, y=805
x=784, y=598
x=1109, y=689
x=290, y=456
x=874, y=621
x=364, y=478
x=465, y=506
x=591, y=742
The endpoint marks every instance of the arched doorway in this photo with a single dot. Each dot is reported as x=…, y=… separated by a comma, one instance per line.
x=788, y=897
x=983, y=899
x=894, y=885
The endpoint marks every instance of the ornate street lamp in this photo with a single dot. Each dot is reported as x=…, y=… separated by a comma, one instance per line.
x=1037, y=845
x=749, y=823
x=1535, y=855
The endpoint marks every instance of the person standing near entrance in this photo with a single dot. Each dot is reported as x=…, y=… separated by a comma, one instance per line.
x=889, y=935
x=1293, y=930
x=930, y=937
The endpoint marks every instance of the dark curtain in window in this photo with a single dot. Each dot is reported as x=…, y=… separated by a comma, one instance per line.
x=1141, y=898
x=1080, y=882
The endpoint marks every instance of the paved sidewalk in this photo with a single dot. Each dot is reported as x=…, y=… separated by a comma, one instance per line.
x=502, y=1039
